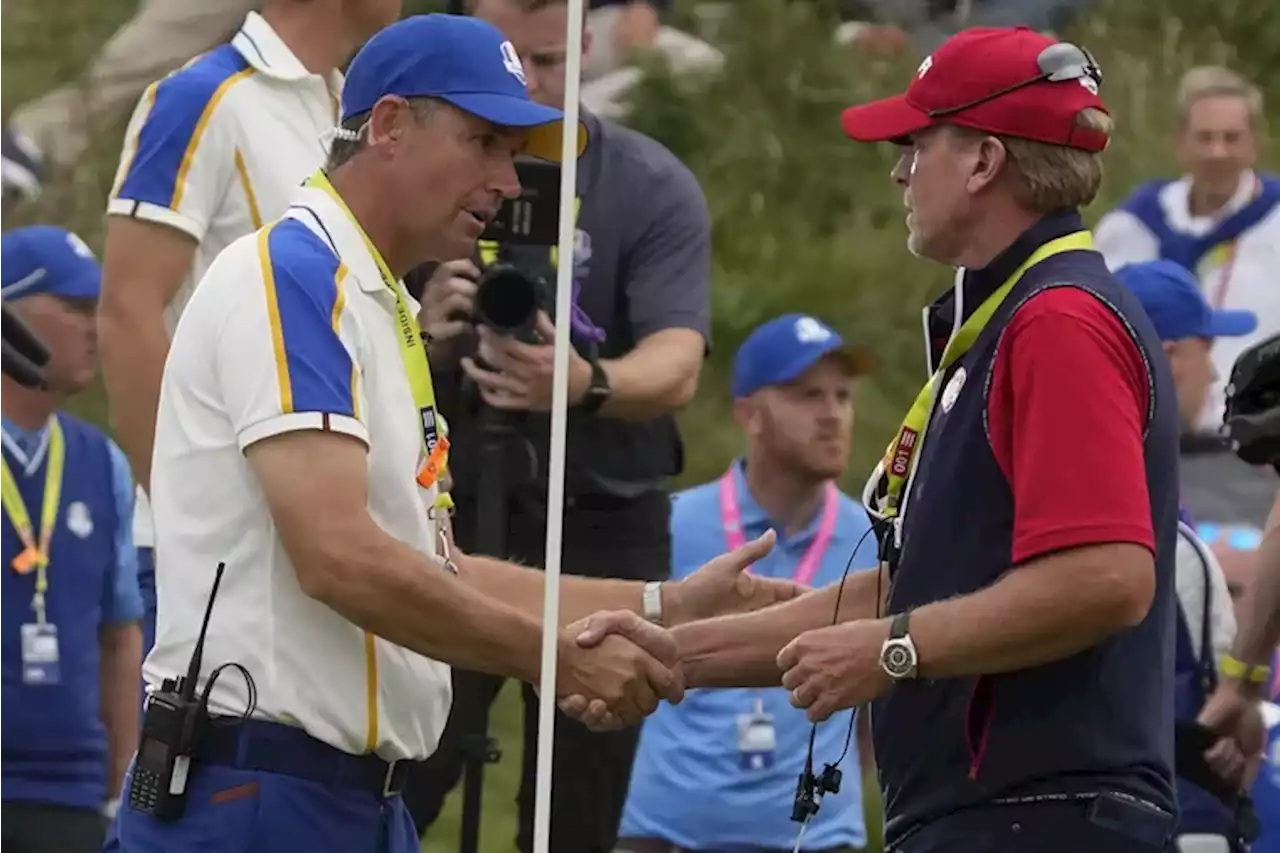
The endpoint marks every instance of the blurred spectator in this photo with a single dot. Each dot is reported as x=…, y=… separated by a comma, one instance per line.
x=1222, y=221
x=717, y=771
x=926, y=24
x=619, y=31
x=21, y=169
x=161, y=36
x=71, y=647
x=212, y=152
x=1187, y=326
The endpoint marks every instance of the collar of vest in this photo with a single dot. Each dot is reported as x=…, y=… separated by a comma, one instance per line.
x=978, y=284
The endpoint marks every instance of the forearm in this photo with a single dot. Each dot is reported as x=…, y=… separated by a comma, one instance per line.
x=742, y=650
x=134, y=349
x=524, y=589
x=656, y=378
x=121, y=662
x=407, y=599
x=1031, y=616
x=1259, y=630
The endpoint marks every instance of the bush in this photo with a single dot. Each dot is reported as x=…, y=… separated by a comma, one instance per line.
x=803, y=218
x=806, y=220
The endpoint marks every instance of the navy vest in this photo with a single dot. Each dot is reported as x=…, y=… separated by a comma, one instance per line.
x=1195, y=677
x=53, y=745
x=1185, y=249
x=1098, y=721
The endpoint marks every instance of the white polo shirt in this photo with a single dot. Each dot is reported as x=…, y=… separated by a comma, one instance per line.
x=292, y=328
x=1240, y=275
x=218, y=147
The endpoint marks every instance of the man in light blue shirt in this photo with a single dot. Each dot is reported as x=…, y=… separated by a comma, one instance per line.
x=718, y=772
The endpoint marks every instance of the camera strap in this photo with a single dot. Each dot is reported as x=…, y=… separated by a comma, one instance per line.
x=36, y=555
x=904, y=451
x=413, y=352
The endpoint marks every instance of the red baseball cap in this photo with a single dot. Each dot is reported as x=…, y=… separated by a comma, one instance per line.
x=1010, y=81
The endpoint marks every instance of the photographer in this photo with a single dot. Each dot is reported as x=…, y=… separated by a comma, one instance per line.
x=640, y=334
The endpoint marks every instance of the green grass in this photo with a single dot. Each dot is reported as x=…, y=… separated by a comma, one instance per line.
x=802, y=219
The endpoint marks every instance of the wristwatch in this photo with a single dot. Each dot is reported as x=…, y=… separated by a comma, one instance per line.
x=898, y=654
x=598, y=391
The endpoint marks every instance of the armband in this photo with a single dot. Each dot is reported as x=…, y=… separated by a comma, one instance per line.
x=1238, y=670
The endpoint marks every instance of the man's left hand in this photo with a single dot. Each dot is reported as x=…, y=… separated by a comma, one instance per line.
x=724, y=586
x=520, y=374
x=831, y=669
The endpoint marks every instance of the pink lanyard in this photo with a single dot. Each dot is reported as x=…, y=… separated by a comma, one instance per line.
x=808, y=565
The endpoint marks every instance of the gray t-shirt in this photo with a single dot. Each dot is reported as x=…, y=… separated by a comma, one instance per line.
x=642, y=258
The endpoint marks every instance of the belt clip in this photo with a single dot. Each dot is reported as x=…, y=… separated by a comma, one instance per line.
x=389, y=779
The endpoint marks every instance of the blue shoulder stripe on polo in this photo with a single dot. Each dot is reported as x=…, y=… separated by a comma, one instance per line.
x=181, y=106
x=305, y=304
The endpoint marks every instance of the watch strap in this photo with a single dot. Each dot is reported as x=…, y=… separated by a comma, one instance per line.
x=652, y=602
x=898, y=626
x=597, y=390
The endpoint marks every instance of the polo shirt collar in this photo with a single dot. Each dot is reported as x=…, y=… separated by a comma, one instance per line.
x=262, y=48
x=973, y=286
x=316, y=208
x=755, y=519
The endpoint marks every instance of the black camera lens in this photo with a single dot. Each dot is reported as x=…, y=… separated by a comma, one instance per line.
x=507, y=300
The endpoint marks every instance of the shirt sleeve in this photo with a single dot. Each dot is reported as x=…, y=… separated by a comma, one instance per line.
x=122, y=597
x=1123, y=239
x=1067, y=411
x=667, y=267
x=288, y=355
x=179, y=154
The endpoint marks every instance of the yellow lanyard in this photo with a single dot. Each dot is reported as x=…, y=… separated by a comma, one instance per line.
x=413, y=352
x=36, y=556
x=906, y=445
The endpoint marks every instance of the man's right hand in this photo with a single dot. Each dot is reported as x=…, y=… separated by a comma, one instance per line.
x=448, y=293
x=618, y=674
x=1232, y=712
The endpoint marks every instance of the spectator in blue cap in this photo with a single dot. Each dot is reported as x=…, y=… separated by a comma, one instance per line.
x=71, y=645
x=711, y=773
x=1187, y=325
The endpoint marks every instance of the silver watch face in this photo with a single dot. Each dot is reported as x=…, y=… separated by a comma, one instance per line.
x=898, y=659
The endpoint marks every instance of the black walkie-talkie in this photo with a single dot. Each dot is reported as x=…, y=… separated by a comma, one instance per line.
x=171, y=727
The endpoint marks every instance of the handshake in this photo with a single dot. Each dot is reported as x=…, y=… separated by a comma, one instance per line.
x=614, y=667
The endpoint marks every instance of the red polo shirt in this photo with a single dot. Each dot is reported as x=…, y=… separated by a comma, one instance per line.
x=1067, y=411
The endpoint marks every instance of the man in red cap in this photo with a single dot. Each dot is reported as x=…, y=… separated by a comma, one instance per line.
x=1020, y=660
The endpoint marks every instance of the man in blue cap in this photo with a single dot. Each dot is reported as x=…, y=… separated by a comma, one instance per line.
x=71, y=642
x=298, y=442
x=713, y=773
x=1187, y=326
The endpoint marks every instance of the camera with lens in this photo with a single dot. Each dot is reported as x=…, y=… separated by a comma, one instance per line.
x=510, y=292
x=1252, y=418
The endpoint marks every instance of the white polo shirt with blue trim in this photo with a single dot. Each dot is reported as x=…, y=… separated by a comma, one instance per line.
x=218, y=148
x=291, y=329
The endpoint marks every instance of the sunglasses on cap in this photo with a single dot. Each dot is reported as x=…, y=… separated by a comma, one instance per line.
x=1058, y=63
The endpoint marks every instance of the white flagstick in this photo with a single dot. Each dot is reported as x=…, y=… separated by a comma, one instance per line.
x=559, y=417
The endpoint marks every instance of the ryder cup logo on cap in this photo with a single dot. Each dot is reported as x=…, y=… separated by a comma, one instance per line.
x=1010, y=81
x=463, y=61
x=779, y=351
x=511, y=60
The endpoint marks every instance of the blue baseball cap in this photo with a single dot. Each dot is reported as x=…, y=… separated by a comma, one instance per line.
x=778, y=351
x=462, y=60
x=1171, y=296
x=47, y=259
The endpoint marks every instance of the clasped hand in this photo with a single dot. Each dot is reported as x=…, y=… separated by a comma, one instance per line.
x=628, y=666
